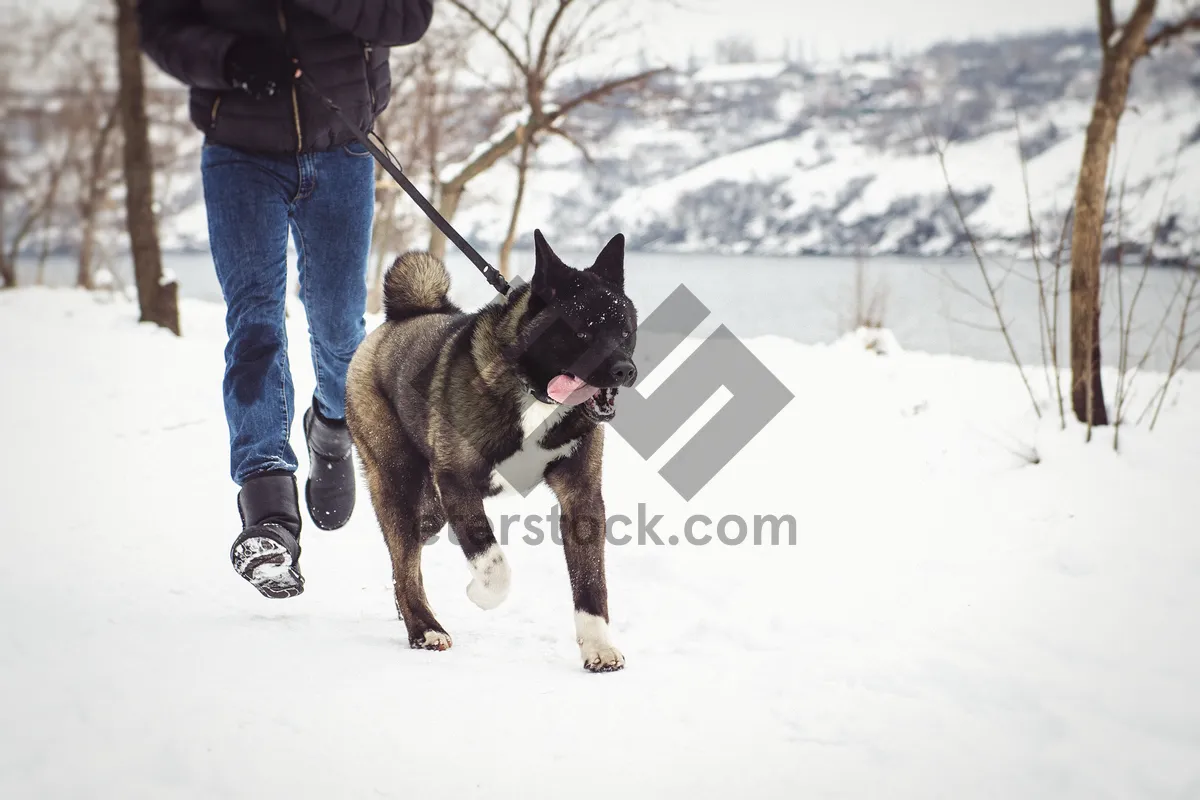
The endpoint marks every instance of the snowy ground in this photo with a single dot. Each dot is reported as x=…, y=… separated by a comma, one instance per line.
x=951, y=621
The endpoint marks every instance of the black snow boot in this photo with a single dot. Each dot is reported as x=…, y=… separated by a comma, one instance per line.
x=268, y=551
x=329, y=491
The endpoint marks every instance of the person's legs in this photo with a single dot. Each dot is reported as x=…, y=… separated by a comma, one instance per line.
x=331, y=222
x=247, y=199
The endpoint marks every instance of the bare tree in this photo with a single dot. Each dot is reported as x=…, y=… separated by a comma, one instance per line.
x=1048, y=291
x=536, y=45
x=94, y=192
x=993, y=289
x=36, y=193
x=430, y=121
x=1127, y=371
x=8, y=269
x=34, y=148
x=158, y=296
x=1186, y=343
x=737, y=50
x=91, y=108
x=1122, y=46
x=868, y=303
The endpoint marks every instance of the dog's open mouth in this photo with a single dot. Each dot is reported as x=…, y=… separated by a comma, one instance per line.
x=602, y=406
x=598, y=404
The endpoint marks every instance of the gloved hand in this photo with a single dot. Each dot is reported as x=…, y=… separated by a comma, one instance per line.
x=259, y=66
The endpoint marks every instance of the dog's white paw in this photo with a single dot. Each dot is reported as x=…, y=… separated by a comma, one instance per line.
x=432, y=640
x=599, y=654
x=491, y=578
x=602, y=659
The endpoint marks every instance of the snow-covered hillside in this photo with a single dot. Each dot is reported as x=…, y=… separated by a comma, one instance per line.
x=951, y=621
x=780, y=159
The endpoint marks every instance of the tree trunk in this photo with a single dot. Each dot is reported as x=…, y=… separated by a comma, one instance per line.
x=1121, y=47
x=510, y=237
x=8, y=272
x=384, y=226
x=43, y=256
x=1087, y=390
x=8, y=277
x=90, y=207
x=87, y=247
x=447, y=205
x=158, y=298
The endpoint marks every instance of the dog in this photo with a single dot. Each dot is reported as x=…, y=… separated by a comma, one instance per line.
x=447, y=408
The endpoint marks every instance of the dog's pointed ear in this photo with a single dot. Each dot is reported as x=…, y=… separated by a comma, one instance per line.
x=546, y=266
x=610, y=264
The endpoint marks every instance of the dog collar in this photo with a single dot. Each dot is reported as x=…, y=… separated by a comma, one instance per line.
x=533, y=392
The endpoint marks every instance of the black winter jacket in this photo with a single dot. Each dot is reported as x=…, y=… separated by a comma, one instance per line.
x=341, y=45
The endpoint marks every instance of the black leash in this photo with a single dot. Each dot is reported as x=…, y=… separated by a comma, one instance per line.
x=389, y=163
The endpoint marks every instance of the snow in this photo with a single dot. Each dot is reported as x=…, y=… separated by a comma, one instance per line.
x=740, y=73
x=1072, y=53
x=811, y=181
x=870, y=69
x=952, y=620
x=769, y=159
x=103, y=278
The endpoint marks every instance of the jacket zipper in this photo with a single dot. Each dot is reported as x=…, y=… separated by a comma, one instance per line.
x=367, y=71
x=295, y=100
x=212, y=125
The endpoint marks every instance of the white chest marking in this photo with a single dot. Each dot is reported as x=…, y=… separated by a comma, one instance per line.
x=523, y=470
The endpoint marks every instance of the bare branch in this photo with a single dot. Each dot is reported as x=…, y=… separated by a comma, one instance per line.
x=548, y=36
x=962, y=218
x=1044, y=329
x=1107, y=23
x=569, y=137
x=979, y=326
x=1125, y=376
x=1058, y=262
x=1171, y=31
x=530, y=26
x=1131, y=43
x=602, y=90
x=963, y=290
x=493, y=32
x=1179, y=358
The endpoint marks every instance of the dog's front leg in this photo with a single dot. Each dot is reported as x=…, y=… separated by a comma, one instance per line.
x=576, y=482
x=490, y=574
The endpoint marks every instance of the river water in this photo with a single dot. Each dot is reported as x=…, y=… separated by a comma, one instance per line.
x=932, y=305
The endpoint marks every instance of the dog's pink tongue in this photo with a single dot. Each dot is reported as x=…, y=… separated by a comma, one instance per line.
x=569, y=390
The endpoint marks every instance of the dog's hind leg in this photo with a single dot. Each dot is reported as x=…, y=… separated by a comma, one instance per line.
x=490, y=574
x=576, y=482
x=408, y=512
x=424, y=517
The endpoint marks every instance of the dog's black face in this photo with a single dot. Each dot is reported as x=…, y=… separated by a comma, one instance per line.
x=577, y=338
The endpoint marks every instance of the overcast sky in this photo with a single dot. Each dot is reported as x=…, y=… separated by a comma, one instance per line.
x=835, y=26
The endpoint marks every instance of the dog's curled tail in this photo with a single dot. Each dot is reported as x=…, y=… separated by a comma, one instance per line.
x=416, y=283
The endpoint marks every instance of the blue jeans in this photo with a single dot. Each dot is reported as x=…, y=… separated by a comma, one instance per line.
x=326, y=200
